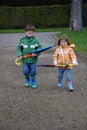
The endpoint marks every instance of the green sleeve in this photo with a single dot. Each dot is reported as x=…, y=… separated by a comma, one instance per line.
x=39, y=46
x=19, y=51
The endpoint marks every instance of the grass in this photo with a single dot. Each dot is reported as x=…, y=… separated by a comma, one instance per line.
x=77, y=38
x=37, y=30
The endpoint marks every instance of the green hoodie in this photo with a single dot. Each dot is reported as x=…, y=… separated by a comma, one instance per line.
x=28, y=44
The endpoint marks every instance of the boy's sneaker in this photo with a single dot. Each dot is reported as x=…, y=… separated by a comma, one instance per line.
x=34, y=86
x=70, y=87
x=59, y=84
x=27, y=83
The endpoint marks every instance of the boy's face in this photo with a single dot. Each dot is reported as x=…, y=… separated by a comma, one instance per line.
x=30, y=33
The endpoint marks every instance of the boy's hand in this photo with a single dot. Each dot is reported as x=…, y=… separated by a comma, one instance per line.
x=34, y=54
x=20, y=57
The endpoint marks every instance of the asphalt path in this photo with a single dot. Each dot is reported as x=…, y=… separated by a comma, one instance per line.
x=44, y=108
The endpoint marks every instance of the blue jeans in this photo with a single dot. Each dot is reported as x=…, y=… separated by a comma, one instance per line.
x=29, y=69
x=61, y=73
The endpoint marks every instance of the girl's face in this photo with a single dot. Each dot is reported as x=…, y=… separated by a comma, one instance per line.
x=30, y=33
x=63, y=42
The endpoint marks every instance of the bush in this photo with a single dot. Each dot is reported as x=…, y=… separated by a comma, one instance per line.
x=40, y=16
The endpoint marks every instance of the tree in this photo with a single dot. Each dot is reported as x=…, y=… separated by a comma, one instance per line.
x=76, y=15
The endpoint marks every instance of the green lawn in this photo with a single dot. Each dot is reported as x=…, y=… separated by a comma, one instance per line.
x=37, y=30
x=77, y=38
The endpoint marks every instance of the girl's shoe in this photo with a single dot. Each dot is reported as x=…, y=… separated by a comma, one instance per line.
x=70, y=87
x=59, y=84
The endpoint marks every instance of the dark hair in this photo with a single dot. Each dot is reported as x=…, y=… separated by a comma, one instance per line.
x=63, y=37
x=29, y=27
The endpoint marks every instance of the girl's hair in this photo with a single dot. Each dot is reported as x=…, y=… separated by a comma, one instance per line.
x=29, y=27
x=63, y=37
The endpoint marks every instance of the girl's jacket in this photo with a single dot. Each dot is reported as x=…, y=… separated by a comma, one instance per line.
x=28, y=45
x=65, y=55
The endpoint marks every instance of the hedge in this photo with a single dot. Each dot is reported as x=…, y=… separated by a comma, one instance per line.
x=40, y=16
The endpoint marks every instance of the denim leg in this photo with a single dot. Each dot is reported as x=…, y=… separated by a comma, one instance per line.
x=32, y=69
x=69, y=79
x=60, y=73
x=33, y=74
x=68, y=74
x=60, y=77
x=26, y=70
x=26, y=74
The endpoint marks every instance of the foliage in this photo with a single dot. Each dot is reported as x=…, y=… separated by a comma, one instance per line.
x=46, y=16
x=34, y=2
x=40, y=16
x=84, y=15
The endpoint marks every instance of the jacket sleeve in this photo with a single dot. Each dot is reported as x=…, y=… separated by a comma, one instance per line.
x=39, y=46
x=55, y=55
x=73, y=56
x=19, y=51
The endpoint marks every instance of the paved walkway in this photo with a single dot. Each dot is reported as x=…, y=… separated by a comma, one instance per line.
x=12, y=39
x=44, y=108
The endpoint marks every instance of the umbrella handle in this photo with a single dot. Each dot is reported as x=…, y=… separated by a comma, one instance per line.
x=17, y=61
x=64, y=65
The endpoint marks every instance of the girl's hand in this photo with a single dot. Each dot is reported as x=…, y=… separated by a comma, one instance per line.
x=74, y=62
x=55, y=63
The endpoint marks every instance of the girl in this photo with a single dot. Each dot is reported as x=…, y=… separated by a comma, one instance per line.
x=63, y=57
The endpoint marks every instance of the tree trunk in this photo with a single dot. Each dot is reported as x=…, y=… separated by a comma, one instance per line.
x=76, y=15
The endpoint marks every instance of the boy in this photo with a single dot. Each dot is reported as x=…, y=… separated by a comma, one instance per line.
x=25, y=46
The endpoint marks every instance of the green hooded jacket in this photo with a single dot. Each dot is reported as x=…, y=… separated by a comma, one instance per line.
x=27, y=45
